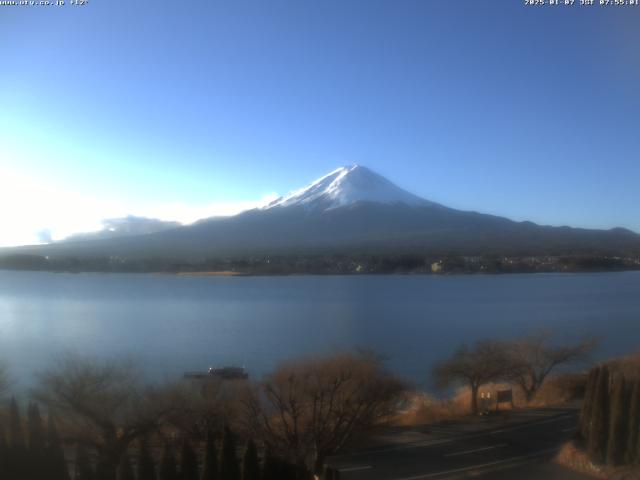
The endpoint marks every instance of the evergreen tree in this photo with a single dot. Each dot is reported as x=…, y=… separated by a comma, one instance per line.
x=4, y=455
x=637, y=452
x=188, y=462
x=229, y=468
x=599, y=430
x=36, y=429
x=618, y=428
x=107, y=467
x=250, y=462
x=210, y=470
x=17, y=461
x=16, y=435
x=125, y=470
x=271, y=466
x=328, y=473
x=37, y=444
x=634, y=424
x=84, y=469
x=168, y=466
x=288, y=471
x=587, y=403
x=146, y=466
x=56, y=462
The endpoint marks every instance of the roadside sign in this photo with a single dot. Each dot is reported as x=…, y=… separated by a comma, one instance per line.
x=504, y=396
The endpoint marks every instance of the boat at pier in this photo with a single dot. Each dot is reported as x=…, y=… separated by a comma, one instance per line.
x=224, y=373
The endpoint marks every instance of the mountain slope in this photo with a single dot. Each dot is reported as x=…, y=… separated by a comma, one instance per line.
x=346, y=186
x=123, y=227
x=353, y=210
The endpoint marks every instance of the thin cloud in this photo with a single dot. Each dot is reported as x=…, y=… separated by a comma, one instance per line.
x=40, y=213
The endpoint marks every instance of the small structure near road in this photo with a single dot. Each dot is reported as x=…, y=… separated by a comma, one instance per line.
x=504, y=396
x=488, y=400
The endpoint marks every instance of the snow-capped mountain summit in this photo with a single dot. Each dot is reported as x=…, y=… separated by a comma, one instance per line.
x=345, y=186
x=350, y=211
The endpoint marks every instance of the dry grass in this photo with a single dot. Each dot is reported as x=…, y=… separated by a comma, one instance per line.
x=629, y=366
x=425, y=409
x=575, y=458
x=560, y=390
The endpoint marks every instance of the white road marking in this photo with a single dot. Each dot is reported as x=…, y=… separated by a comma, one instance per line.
x=572, y=429
x=456, y=454
x=450, y=440
x=533, y=414
x=395, y=449
x=355, y=469
x=518, y=427
x=484, y=465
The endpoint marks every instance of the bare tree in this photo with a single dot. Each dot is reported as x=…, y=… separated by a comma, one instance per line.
x=310, y=409
x=102, y=405
x=534, y=357
x=203, y=406
x=487, y=362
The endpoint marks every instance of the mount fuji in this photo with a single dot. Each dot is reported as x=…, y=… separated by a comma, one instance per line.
x=351, y=210
x=346, y=186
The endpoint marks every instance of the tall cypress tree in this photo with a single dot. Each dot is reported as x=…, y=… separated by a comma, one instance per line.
x=327, y=474
x=106, y=467
x=146, y=466
x=210, y=469
x=16, y=435
x=84, y=469
x=37, y=444
x=599, y=430
x=637, y=457
x=168, y=466
x=618, y=428
x=634, y=424
x=289, y=471
x=4, y=455
x=188, y=462
x=250, y=462
x=587, y=403
x=36, y=429
x=56, y=462
x=17, y=461
x=229, y=468
x=125, y=470
x=271, y=466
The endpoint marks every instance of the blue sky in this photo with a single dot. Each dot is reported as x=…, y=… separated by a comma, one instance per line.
x=181, y=109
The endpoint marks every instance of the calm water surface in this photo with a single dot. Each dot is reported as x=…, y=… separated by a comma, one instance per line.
x=171, y=323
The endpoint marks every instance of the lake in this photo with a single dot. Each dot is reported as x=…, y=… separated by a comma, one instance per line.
x=175, y=323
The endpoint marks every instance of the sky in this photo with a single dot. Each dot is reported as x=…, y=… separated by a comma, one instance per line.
x=183, y=110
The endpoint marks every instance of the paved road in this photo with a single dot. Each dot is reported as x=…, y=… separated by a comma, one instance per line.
x=518, y=446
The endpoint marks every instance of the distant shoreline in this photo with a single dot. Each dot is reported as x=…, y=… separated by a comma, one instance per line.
x=330, y=264
x=221, y=273
x=230, y=274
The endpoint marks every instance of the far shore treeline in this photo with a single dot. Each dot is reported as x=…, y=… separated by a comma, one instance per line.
x=328, y=264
